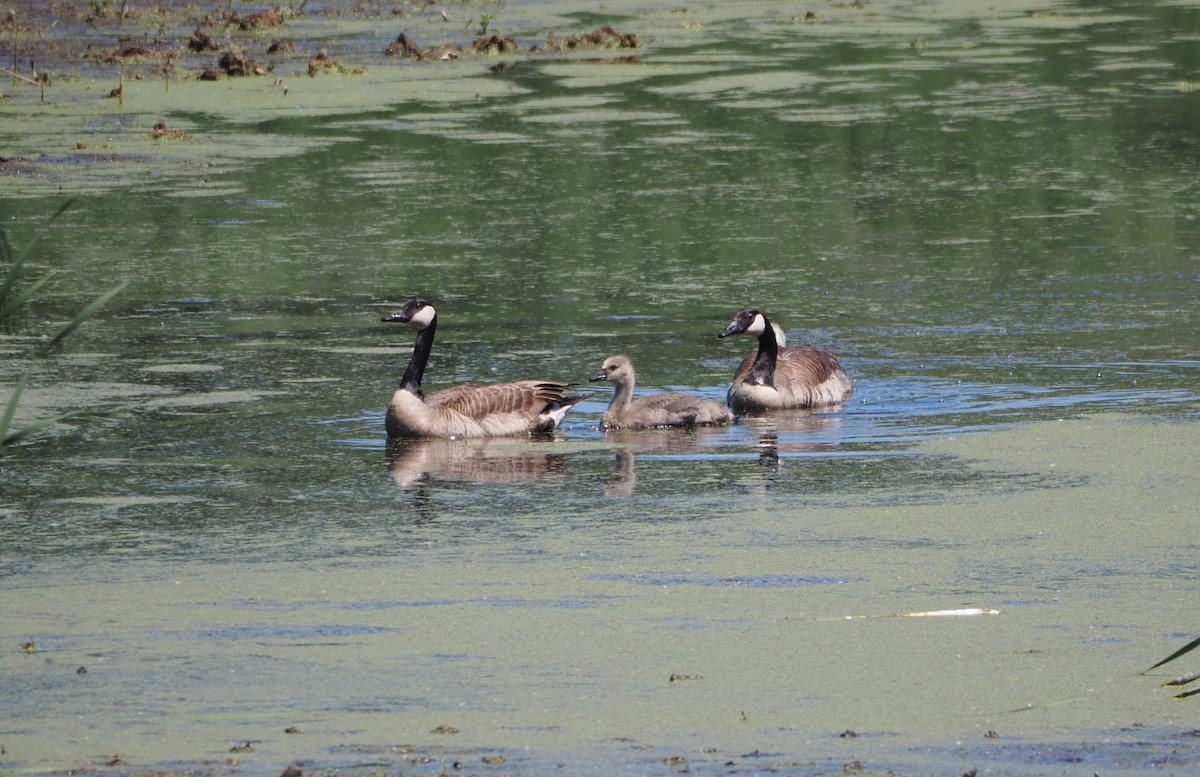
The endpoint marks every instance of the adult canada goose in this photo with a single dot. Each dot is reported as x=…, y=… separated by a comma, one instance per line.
x=471, y=410
x=800, y=376
x=625, y=412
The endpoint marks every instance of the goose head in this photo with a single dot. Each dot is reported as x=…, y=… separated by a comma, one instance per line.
x=616, y=369
x=746, y=322
x=417, y=313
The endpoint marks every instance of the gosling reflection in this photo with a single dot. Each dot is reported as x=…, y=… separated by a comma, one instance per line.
x=623, y=480
x=486, y=460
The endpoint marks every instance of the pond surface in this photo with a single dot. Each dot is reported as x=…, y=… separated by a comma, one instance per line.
x=991, y=214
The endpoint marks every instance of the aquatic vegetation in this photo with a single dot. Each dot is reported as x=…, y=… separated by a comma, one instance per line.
x=484, y=20
x=1186, y=679
x=13, y=301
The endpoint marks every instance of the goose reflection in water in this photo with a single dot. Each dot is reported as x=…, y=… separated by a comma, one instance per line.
x=784, y=432
x=488, y=460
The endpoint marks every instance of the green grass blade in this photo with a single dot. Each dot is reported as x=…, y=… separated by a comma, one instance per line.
x=36, y=426
x=10, y=308
x=6, y=252
x=84, y=315
x=1189, y=647
x=33, y=243
x=42, y=423
x=14, y=269
x=16, y=260
x=10, y=409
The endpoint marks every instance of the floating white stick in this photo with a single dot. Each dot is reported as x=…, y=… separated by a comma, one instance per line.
x=929, y=614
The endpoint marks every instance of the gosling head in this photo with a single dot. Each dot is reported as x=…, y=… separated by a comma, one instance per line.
x=616, y=369
x=417, y=313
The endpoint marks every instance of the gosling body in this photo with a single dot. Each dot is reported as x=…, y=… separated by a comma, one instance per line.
x=657, y=410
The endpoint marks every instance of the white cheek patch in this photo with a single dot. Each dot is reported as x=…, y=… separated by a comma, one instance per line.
x=757, y=326
x=423, y=317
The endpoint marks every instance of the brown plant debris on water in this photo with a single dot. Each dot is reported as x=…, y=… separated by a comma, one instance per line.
x=494, y=44
x=160, y=132
x=123, y=52
x=322, y=62
x=184, y=39
x=235, y=63
x=9, y=20
x=602, y=38
x=201, y=41
x=272, y=17
x=406, y=48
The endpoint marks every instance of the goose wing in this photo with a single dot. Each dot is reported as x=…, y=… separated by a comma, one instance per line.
x=805, y=364
x=479, y=400
x=806, y=375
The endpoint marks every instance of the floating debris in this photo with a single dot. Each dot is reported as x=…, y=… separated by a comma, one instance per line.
x=201, y=41
x=160, y=132
x=967, y=611
x=272, y=17
x=235, y=63
x=322, y=62
x=494, y=44
x=603, y=38
x=405, y=48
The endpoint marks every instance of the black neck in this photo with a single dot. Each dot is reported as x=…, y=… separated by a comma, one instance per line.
x=420, y=357
x=763, y=371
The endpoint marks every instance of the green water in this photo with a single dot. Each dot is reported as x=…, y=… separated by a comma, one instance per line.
x=992, y=216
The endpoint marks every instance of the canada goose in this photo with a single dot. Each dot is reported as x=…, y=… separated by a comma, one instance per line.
x=624, y=412
x=471, y=410
x=800, y=376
